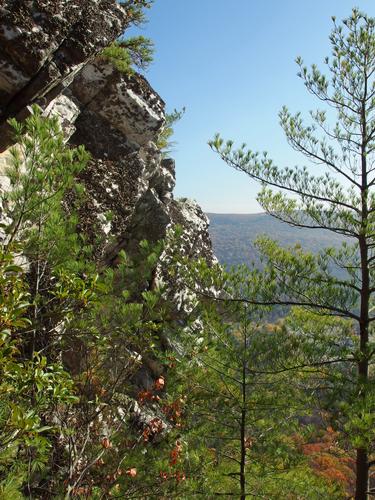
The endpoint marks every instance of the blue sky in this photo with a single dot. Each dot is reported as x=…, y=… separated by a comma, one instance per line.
x=231, y=64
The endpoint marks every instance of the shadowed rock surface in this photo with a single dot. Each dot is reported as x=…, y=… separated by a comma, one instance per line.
x=45, y=44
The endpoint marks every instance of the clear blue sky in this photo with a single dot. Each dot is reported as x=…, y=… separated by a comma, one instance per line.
x=231, y=64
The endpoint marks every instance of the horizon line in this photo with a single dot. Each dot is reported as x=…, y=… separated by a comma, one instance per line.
x=235, y=213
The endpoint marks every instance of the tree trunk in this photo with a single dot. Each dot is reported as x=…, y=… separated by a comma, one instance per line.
x=362, y=472
x=362, y=475
x=362, y=469
x=243, y=456
x=243, y=422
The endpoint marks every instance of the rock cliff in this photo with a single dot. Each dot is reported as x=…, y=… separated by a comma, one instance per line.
x=45, y=43
x=49, y=56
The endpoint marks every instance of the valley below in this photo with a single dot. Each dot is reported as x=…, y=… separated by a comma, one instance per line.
x=233, y=236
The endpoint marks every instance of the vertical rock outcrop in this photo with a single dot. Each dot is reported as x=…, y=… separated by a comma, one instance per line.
x=44, y=44
x=49, y=56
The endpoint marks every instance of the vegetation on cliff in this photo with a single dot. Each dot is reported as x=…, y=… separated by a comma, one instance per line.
x=158, y=376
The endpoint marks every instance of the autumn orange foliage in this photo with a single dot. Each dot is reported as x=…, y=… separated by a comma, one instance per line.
x=329, y=461
x=154, y=427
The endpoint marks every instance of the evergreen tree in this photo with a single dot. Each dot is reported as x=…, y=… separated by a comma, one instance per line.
x=340, y=200
x=137, y=51
x=164, y=142
x=248, y=385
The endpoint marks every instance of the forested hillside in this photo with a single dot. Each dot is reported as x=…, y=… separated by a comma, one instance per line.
x=233, y=236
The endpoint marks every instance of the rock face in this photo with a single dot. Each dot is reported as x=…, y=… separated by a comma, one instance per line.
x=45, y=43
x=129, y=184
x=49, y=56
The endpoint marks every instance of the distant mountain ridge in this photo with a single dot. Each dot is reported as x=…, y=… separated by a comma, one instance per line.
x=233, y=236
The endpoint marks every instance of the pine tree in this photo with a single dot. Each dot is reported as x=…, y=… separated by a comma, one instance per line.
x=340, y=200
x=247, y=385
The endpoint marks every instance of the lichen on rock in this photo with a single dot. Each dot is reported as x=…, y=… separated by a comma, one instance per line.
x=49, y=56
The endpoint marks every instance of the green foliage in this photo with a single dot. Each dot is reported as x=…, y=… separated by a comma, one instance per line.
x=136, y=51
x=164, y=143
x=41, y=172
x=121, y=331
x=135, y=9
x=220, y=409
x=140, y=50
x=123, y=54
x=72, y=338
x=29, y=388
x=298, y=483
x=246, y=385
x=341, y=200
x=38, y=295
x=58, y=314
